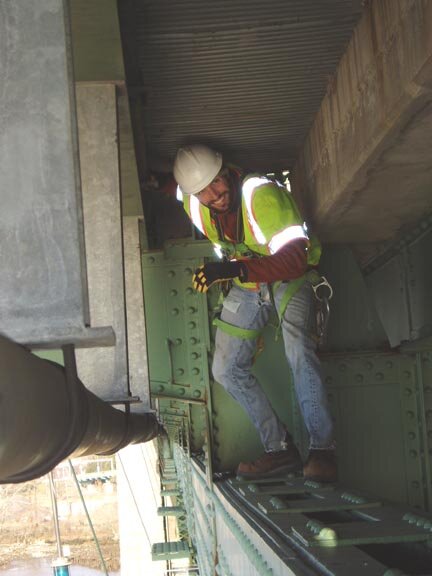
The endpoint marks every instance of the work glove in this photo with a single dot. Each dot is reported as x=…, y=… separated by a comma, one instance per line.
x=212, y=272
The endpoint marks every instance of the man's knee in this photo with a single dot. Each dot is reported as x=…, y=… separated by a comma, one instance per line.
x=220, y=370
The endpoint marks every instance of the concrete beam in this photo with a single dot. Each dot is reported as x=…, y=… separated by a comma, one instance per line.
x=103, y=370
x=43, y=293
x=365, y=170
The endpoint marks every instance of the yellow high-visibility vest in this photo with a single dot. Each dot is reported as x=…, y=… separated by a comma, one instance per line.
x=271, y=220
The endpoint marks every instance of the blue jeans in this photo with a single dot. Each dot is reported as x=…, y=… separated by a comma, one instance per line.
x=233, y=360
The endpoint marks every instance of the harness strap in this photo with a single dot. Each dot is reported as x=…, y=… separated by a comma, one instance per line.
x=293, y=286
x=242, y=333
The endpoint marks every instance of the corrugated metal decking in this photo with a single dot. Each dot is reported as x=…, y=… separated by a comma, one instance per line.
x=246, y=76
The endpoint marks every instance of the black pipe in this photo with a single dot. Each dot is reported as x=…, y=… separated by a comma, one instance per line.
x=47, y=415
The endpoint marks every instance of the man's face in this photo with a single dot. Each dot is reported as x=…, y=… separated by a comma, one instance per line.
x=217, y=195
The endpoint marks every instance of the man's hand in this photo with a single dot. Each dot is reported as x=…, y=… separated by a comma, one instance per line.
x=212, y=272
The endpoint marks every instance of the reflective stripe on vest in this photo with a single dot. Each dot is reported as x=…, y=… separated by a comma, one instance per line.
x=195, y=214
x=287, y=235
x=248, y=190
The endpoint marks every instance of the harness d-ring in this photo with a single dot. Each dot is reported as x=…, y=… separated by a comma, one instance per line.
x=323, y=283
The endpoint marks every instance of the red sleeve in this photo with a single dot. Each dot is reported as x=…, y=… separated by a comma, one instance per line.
x=288, y=263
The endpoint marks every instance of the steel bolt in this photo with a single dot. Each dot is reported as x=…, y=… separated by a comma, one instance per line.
x=175, y=311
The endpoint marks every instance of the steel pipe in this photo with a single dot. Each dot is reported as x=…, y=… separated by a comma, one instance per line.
x=47, y=415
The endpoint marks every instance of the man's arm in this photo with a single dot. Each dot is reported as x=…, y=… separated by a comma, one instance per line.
x=288, y=263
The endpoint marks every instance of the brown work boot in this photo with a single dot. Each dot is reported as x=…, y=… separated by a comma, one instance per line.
x=272, y=463
x=321, y=466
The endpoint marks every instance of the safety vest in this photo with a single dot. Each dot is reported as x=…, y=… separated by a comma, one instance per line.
x=271, y=220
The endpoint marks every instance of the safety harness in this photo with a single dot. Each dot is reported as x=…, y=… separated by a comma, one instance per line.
x=259, y=240
x=292, y=287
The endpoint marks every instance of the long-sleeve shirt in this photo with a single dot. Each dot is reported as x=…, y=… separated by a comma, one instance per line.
x=288, y=263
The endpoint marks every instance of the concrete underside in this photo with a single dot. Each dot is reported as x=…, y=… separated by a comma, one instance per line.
x=365, y=172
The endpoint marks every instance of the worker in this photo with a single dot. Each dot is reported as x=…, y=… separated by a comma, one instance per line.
x=269, y=260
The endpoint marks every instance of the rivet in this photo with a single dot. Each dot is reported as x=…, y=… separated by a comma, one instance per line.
x=192, y=310
x=180, y=371
x=192, y=325
x=178, y=341
x=195, y=371
x=175, y=311
x=411, y=435
x=379, y=376
x=413, y=453
x=410, y=414
x=407, y=374
x=359, y=377
x=151, y=260
x=171, y=273
x=195, y=355
x=408, y=391
x=188, y=270
x=196, y=393
x=181, y=391
x=193, y=340
x=161, y=388
x=190, y=290
x=173, y=293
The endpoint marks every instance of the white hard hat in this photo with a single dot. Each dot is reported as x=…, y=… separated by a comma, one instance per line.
x=195, y=167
